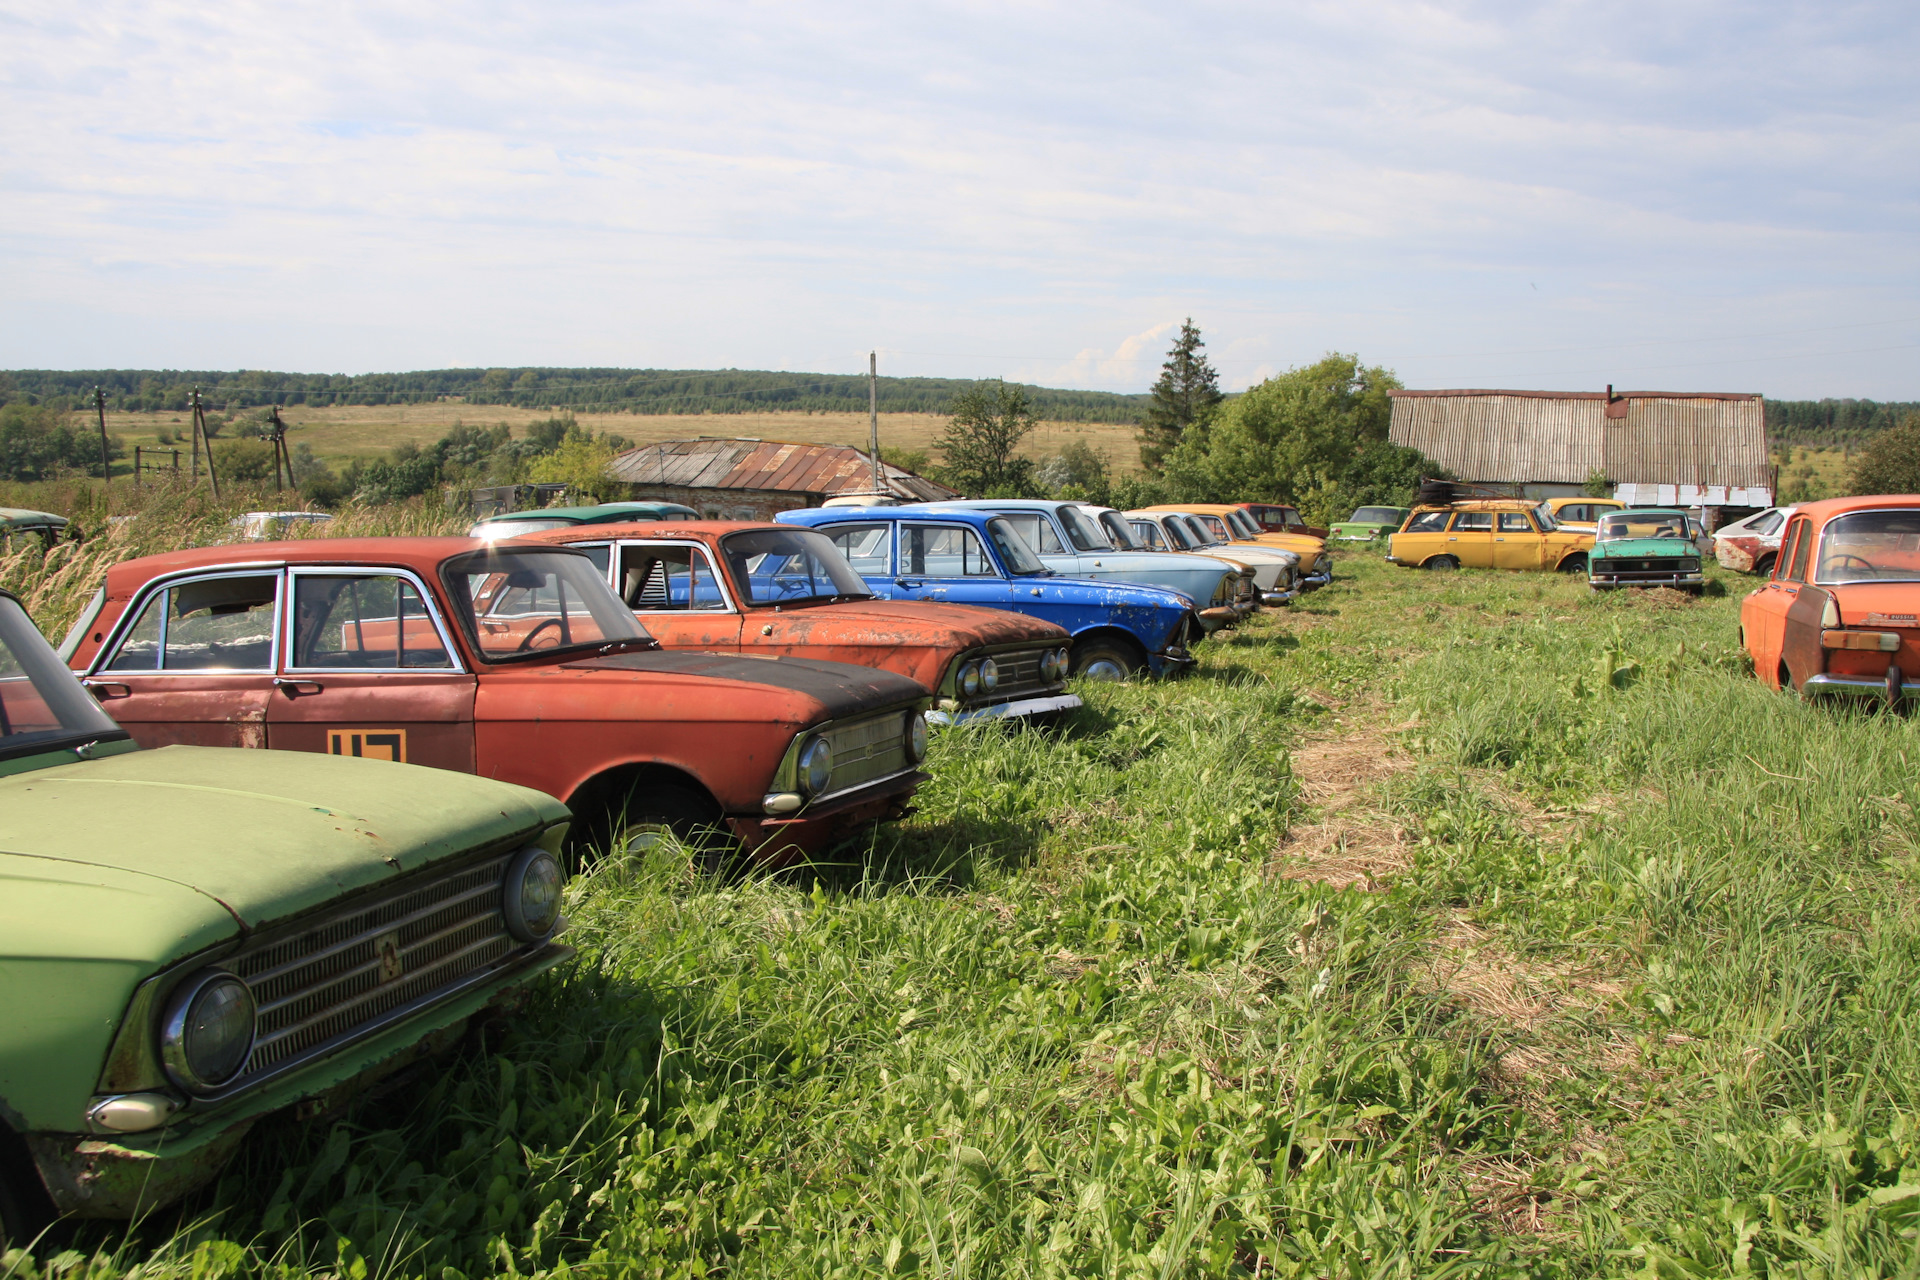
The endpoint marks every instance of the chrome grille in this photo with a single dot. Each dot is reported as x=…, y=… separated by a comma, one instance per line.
x=1019, y=671
x=330, y=979
x=868, y=749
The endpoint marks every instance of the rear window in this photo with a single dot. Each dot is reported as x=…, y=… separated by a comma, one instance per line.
x=1869, y=546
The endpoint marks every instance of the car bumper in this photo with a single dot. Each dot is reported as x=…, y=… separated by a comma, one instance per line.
x=1005, y=710
x=1171, y=661
x=1603, y=581
x=1274, y=598
x=779, y=841
x=126, y=1175
x=1826, y=686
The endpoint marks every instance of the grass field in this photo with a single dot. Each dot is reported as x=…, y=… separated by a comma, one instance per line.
x=339, y=434
x=1443, y=925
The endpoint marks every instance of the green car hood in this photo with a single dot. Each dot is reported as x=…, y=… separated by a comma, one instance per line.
x=1643, y=548
x=265, y=834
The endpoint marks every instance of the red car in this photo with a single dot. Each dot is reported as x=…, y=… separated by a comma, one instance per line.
x=1841, y=613
x=508, y=660
x=737, y=587
x=1278, y=517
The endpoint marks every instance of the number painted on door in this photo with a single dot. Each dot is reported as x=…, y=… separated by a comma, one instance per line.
x=371, y=744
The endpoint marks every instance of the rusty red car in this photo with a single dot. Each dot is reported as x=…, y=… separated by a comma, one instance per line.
x=509, y=660
x=754, y=588
x=1841, y=614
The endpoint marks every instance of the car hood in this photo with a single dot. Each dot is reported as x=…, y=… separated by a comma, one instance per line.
x=1644, y=547
x=841, y=688
x=265, y=834
x=904, y=622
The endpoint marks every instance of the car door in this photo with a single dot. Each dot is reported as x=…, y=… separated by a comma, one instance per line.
x=195, y=666
x=1800, y=647
x=1516, y=543
x=869, y=549
x=673, y=588
x=1040, y=533
x=947, y=562
x=369, y=670
x=1763, y=615
x=1470, y=539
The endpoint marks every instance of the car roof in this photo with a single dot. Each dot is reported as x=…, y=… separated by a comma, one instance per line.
x=918, y=511
x=24, y=516
x=1826, y=508
x=422, y=555
x=705, y=530
x=596, y=514
x=1646, y=511
x=1567, y=501
x=1483, y=504
x=1004, y=504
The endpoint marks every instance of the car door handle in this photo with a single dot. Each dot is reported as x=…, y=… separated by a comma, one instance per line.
x=908, y=582
x=294, y=688
x=104, y=689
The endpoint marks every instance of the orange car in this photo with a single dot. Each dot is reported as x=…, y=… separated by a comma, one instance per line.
x=1841, y=613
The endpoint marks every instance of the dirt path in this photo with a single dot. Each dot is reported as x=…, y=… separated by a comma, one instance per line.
x=1348, y=835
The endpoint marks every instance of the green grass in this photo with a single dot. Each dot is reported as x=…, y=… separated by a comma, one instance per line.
x=1071, y=1020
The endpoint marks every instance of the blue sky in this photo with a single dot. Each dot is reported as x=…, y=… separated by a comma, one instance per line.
x=1706, y=196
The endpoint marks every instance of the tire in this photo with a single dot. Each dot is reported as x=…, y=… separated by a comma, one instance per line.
x=1575, y=563
x=1441, y=564
x=1763, y=567
x=1786, y=678
x=652, y=812
x=24, y=1211
x=1103, y=660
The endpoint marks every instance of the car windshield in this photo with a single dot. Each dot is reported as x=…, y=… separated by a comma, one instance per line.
x=518, y=603
x=1544, y=515
x=1120, y=533
x=789, y=566
x=1618, y=525
x=1871, y=546
x=1083, y=532
x=1375, y=515
x=1019, y=558
x=1243, y=524
x=1196, y=529
x=1179, y=537
x=42, y=705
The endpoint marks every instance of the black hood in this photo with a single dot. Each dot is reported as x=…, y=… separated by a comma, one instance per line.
x=844, y=689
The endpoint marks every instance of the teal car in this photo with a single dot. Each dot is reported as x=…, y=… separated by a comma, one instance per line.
x=514, y=523
x=1368, y=524
x=193, y=939
x=1644, y=548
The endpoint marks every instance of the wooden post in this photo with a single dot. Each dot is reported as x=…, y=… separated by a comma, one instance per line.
x=279, y=443
x=100, y=407
x=136, y=466
x=193, y=404
x=200, y=434
x=873, y=416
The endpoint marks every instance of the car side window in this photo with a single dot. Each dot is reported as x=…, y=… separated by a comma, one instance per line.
x=601, y=553
x=1766, y=524
x=1427, y=522
x=668, y=580
x=1579, y=512
x=865, y=547
x=1515, y=522
x=1473, y=521
x=214, y=624
x=1802, y=543
x=943, y=551
x=1149, y=533
x=363, y=622
x=1037, y=530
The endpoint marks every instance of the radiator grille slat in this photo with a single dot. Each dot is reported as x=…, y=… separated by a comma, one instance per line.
x=867, y=749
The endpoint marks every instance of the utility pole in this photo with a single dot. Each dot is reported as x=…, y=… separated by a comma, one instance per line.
x=199, y=434
x=280, y=450
x=100, y=407
x=193, y=404
x=873, y=417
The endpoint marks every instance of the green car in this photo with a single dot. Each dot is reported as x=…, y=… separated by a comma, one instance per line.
x=513, y=523
x=1368, y=523
x=16, y=522
x=1644, y=548
x=194, y=938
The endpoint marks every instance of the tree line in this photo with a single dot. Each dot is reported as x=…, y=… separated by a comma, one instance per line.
x=1833, y=424
x=591, y=390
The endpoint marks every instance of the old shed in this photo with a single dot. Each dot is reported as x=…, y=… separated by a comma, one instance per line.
x=1653, y=447
x=746, y=479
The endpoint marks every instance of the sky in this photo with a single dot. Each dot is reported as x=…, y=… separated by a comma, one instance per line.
x=1686, y=195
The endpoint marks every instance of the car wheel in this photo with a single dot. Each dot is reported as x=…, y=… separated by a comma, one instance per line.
x=20, y=1221
x=1764, y=566
x=1785, y=678
x=656, y=813
x=1103, y=660
x=1574, y=564
x=1441, y=564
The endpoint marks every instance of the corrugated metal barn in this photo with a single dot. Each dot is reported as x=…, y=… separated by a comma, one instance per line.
x=1656, y=447
x=745, y=479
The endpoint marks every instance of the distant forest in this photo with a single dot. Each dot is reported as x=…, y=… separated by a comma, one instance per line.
x=1833, y=424
x=581, y=390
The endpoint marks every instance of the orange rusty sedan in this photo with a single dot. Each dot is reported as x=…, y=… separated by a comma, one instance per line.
x=745, y=587
x=1841, y=614
x=510, y=660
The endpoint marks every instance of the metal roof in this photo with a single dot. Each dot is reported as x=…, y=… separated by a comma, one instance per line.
x=823, y=470
x=1564, y=437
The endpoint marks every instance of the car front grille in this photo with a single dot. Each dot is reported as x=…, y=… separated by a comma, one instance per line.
x=865, y=750
x=1658, y=567
x=1019, y=677
x=351, y=970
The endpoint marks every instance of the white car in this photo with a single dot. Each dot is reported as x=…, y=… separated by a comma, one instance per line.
x=1750, y=545
x=270, y=526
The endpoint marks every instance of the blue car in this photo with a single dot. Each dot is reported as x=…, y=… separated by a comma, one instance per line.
x=976, y=557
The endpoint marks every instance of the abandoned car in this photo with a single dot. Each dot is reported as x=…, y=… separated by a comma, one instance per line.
x=1488, y=533
x=1649, y=547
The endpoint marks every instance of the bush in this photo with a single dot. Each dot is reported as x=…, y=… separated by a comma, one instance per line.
x=1891, y=464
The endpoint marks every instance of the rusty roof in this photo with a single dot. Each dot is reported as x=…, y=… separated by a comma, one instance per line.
x=1565, y=437
x=821, y=470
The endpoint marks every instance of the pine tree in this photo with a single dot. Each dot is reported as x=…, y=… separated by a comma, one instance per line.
x=1184, y=397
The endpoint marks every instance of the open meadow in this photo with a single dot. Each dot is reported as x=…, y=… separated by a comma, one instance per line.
x=1440, y=925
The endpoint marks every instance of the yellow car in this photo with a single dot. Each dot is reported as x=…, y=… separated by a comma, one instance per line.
x=1236, y=525
x=1580, y=513
x=1492, y=533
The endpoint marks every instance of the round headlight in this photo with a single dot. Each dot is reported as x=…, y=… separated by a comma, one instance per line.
x=969, y=681
x=530, y=898
x=208, y=1033
x=989, y=675
x=816, y=766
x=916, y=737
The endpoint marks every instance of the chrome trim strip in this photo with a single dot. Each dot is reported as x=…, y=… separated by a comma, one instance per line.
x=291, y=588
x=1854, y=687
x=1001, y=711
